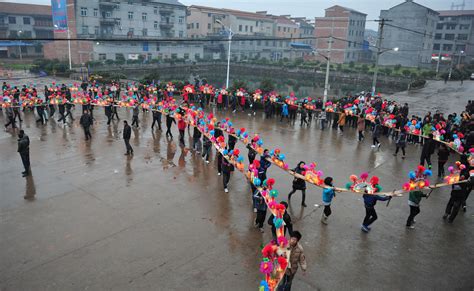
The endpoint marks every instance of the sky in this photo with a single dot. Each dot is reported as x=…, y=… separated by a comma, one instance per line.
x=308, y=8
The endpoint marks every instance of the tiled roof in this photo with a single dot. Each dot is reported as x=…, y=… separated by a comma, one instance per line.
x=24, y=9
x=345, y=8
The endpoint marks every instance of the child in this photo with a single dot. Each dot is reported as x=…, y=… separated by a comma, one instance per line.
x=328, y=195
x=443, y=154
x=401, y=142
x=206, y=148
x=227, y=168
x=261, y=210
x=376, y=133
x=414, y=202
x=299, y=184
x=370, y=215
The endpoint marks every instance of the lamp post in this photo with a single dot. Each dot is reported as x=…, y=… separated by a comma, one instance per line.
x=19, y=44
x=228, y=53
x=376, y=69
x=68, y=46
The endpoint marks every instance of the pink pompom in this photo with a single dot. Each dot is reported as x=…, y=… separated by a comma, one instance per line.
x=427, y=183
x=364, y=175
x=450, y=169
x=319, y=173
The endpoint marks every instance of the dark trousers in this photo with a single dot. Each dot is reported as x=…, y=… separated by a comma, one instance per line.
x=341, y=128
x=285, y=284
x=441, y=168
x=261, y=214
x=225, y=178
x=206, y=151
x=327, y=210
x=361, y=135
x=25, y=159
x=231, y=146
x=303, y=191
x=128, y=146
x=69, y=113
x=17, y=113
x=11, y=120
x=114, y=113
x=61, y=117
x=158, y=121
x=425, y=157
x=168, y=131
x=51, y=110
x=403, y=150
x=452, y=209
x=87, y=132
x=135, y=120
x=375, y=140
x=109, y=118
x=197, y=144
x=181, y=136
x=219, y=162
x=414, y=210
x=303, y=121
x=370, y=216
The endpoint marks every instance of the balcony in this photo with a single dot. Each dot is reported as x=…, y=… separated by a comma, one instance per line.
x=107, y=5
x=166, y=25
x=3, y=26
x=108, y=21
x=166, y=11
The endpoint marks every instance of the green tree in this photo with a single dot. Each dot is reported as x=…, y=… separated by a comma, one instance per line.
x=406, y=72
x=397, y=67
x=237, y=84
x=351, y=64
x=267, y=85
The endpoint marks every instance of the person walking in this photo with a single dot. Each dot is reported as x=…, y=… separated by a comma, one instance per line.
x=376, y=133
x=181, y=129
x=414, y=199
x=68, y=111
x=61, y=109
x=135, y=120
x=127, y=133
x=401, y=142
x=86, y=121
x=252, y=153
x=227, y=169
x=206, y=148
x=427, y=150
x=157, y=119
x=264, y=165
x=328, y=194
x=169, y=122
x=361, y=126
x=11, y=118
x=299, y=184
x=284, y=112
x=303, y=117
x=108, y=113
x=288, y=225
x=231, y=141
x=197, y=146
x=24, y=151
x=297, y=258
x=443, y=155
x=370, y=214
x=342, y=121
x=261, y=206
x=458, y=195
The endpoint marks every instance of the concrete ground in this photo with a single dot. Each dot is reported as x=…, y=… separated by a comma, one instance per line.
x=160, y=220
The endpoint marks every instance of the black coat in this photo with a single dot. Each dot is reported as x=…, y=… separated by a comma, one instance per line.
x=86, y=120
x=127, y=132
x=299, y=184
x=428, y=147
x=24, y=144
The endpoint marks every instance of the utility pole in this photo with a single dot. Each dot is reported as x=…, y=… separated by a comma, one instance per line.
x=379, y=52
x=439, y=60
x=328, y=65
x=452, y=59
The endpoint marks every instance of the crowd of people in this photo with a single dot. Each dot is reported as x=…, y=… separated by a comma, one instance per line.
x=363, y=112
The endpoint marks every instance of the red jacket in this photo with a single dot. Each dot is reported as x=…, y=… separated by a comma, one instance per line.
x=181, y=125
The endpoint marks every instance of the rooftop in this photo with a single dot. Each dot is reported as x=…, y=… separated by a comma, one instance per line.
x=24, y=9
x=345, y=8
x=456, y=13
x=238, y=13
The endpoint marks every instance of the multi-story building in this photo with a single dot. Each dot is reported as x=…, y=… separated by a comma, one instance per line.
x=454, y=35
x=410, y=28
x=347, y=27
x=306, y=30
x=138, y=21
x=24, y=21
x=285, y=27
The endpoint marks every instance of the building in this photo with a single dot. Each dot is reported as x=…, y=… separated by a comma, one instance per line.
x=454, y=36
x=20, y=21
x=347, y=26
x=251, y=33
x=306, y=30
x=140, y=21
x=411, y=29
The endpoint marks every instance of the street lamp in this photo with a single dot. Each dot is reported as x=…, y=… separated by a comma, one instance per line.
x=68, y=45
x=228, y=53
x=19, y=44
x=376, y=69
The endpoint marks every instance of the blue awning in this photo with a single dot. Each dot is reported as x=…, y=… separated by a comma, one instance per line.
x=14, y=43
x=300, y=45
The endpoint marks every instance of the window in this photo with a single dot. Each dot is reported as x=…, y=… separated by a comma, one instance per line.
x=438, y=36
x=186, y=56
x=144, y=16
x=108, y=14
x=130, y=31
x=157, y=47
x=208, y=26
x=349, y=44
x=462, y=36
x=348, y=55
x=155, y=25
x=197, y=56
x=460, y=47
x=181, y=19
x=447, y=47
x=83, y=11
x=246, y=28
x=259, y=42
x=145, y=32
x=197, y=25
x=38, y=49
x=130, y=15
x=209, y=15
x=439, y=26
x=192, y=25
x=174, y=56
x=96, y=12
x=155, y=10
x=240, y=27
x=449, y=36
x=464, y=26
x=188, y=26
x=284, y=29
x=251, y=28
x=450, y=26
x=12, y=19
x=26, y=20
x=256, y=23
x=181, y=33
x=436, y=46
x=85, y=29
x=96, y=30
x=102, y=57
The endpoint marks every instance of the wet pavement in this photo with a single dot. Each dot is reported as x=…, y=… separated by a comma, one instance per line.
x=96, y=219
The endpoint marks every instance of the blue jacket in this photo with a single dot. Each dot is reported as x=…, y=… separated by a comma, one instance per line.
x=264, y=164
x=371, y=199
x=259, y=201
x=328, y=195
x=284, y=110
